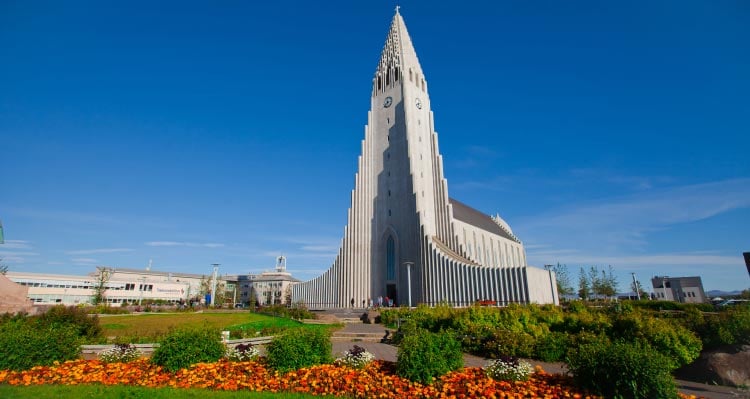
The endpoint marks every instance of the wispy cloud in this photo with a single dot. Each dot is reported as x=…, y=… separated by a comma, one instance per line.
x=320, y=248
x=16, y=244
x=98, y=251
x=624, y=223
x=184, y=244
x=87, y=261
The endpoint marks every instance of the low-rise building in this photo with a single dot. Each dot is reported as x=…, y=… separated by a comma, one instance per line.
x=679, y=289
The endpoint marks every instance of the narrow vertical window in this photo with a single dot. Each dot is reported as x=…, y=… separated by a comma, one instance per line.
x=390, y=259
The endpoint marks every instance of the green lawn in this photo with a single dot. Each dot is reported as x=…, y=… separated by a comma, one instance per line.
x=149, y=327
x=119, y=391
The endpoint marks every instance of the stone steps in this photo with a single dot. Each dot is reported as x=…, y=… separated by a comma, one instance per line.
x=357, y=337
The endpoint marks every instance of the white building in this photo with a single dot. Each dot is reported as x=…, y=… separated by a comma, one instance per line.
x=405, y=238
x=273, y=288
x=124, y=285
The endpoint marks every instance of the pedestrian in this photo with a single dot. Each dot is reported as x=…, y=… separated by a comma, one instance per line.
x=380, y=301
x=352, y=302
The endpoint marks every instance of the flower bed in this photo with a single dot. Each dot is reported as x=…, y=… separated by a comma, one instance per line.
x=376, y=380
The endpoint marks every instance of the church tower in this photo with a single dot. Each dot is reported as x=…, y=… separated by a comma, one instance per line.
x=402, y=239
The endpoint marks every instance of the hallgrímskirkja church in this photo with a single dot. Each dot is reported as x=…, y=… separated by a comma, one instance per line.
x=405, y=238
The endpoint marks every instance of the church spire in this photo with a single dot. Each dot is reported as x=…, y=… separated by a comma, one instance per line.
x=399, y=59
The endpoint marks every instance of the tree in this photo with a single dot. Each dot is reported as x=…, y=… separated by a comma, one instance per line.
x=595, y=281
x=103, y=274
x=563, y=279
x=3, y=267
x=609, y=282
x=584, y=287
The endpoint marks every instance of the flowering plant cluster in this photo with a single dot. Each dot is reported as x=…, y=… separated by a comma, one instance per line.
x=241, y=353
x=377, y=380
x=509, y=368
x=356, y=358
x=120, y=353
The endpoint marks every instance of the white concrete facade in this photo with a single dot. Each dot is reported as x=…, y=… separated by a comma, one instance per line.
x=404, y=235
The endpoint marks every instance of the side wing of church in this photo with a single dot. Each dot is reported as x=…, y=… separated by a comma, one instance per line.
x=405, y=239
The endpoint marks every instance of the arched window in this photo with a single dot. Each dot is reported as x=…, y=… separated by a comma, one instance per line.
x=390, y=259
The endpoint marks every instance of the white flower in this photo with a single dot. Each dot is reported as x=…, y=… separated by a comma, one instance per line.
x=241, y=353
x=509, y=369
x=357, y=358
x=120, y=353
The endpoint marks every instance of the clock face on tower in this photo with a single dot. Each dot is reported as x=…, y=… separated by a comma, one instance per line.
x=388, y=101
x=418, y=103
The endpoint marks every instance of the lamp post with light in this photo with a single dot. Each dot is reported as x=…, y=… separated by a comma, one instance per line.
x=408, y=278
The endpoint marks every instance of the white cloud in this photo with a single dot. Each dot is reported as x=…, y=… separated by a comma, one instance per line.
x=320, y=248
x=183, y=244
x=84, y=260
x=16, y=244
x=623, y=224
x=98, y=251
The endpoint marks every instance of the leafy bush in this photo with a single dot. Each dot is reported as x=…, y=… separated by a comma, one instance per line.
x=551, y=347
x=423, y=356
x=509, y=369
x=182, y=348
x=120, y=353
x=26, y=343
x=671, y=339
x=241, y=353
x=623, y=370
x=505, y=342
x=86, y=326
x=356, y=358
x=298, y=348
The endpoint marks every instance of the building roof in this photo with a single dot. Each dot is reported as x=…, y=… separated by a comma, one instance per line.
x=275, y=276
x=478, y=219
x=158, y=273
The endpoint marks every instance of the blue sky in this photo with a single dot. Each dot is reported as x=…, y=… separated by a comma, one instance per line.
x=194, y=133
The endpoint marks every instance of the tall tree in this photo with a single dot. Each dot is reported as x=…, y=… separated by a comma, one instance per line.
x=103, y=274
x=595, y=281
x=564, y=287
x=609, y=282
x=584, y=287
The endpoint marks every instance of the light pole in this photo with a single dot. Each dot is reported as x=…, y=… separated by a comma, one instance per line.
x=140, y=289
x=408, y=278
x=664, y=286
x=636, y=286
x=213, y=282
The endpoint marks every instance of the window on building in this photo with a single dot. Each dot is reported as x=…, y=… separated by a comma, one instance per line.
x=390, y=256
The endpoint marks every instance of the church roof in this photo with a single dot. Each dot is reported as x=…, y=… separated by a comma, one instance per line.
x=398, y=53
x=478, y=219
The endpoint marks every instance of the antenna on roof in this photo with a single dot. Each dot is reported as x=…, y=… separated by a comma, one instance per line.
x=148, y=268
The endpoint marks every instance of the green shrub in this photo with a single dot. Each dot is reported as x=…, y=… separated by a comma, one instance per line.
x=424, y=356
x=668, y=337
x=25, y=344
x=551, y=347
x=297, y=311
x=505, y=342
x=623, y=370
x=298, y=348
x=86, y=326
x=182, y=348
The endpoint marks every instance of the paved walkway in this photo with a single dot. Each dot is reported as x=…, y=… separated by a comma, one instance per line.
x=388, y=352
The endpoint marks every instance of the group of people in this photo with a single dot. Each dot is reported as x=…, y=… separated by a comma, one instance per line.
x=379, y=303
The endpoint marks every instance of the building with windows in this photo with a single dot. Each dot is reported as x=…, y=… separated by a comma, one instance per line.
x=679, y=289
x=405, y=238
x=128, y=286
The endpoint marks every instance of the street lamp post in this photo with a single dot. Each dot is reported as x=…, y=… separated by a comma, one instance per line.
x=140, y=290
x=636, y=286
x=408, y=279
x=213, y=282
